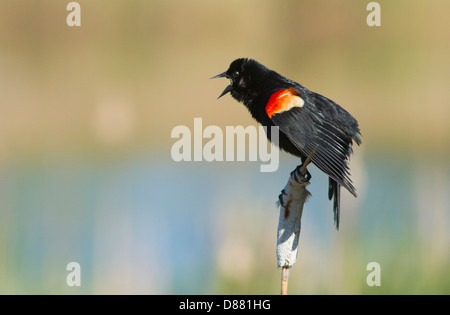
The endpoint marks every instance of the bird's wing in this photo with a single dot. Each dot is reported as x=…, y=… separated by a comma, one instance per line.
x=308, y=126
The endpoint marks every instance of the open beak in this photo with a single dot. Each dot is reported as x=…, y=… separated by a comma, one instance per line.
x=228, y=88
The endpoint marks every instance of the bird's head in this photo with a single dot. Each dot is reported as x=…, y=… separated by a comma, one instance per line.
x=242, y=74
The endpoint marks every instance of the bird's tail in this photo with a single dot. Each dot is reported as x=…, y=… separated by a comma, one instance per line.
x=334, y=190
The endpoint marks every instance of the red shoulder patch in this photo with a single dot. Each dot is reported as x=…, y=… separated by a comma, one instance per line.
x=283, y=100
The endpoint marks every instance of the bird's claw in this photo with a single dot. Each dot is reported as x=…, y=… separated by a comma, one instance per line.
x=295, y=174
x=280, y=198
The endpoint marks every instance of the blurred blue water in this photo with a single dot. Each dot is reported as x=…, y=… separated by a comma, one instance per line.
x=125, y=215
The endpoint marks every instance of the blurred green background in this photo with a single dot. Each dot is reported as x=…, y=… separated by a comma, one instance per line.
x=86, y=174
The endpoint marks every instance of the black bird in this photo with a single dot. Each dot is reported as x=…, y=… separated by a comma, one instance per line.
x=306, y=120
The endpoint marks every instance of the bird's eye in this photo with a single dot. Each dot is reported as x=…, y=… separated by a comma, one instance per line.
x=235, y=74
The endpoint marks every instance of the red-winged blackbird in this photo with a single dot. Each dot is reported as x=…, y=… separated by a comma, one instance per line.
x=306, y=120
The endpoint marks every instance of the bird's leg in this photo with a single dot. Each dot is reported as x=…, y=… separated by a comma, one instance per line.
x=301, y=170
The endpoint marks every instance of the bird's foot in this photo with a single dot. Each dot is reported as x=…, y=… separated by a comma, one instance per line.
x=280, y=197
x=299, y=176
x=302, y=171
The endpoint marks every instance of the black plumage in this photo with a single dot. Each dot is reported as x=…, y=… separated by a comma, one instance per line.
x=306, y=120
